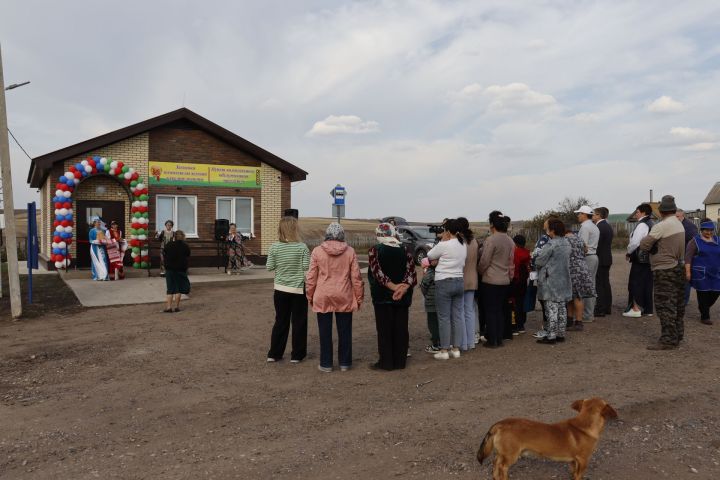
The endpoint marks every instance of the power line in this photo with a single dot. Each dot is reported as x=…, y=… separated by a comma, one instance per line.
x=18, y=144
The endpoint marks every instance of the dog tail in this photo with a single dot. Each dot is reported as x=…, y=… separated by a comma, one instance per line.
x=487, y=445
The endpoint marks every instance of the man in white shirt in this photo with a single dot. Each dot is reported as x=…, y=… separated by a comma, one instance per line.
x=640, y=282
x=590, y=235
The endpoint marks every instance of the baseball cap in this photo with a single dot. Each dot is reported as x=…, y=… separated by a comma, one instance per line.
x=585, y=209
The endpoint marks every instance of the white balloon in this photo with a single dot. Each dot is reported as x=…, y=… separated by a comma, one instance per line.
x=63, y=211
x=54, y=245
x=59, y=264
x=144, y=253
x=88, y=168
x=131, y=170
x=76, y=180
x=67, y=194
x=57, y=211
x=136, y=203
x=59, y=228
x=59, y=193
x=140, y=186
x=69, y=211
x=144, y=203
x=68, y=229
x=113, y=164
x=62, y=245
x=142, y=237
x=84, y=163
x=69, y=175
x=103, y=160
x=133, y=254
x=127, y=175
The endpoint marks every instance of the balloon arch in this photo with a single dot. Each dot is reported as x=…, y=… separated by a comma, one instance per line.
x=64, y=223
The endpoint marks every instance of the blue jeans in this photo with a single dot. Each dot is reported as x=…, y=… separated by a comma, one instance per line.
x=451, y=315
x=470, y=316
x=344, y=329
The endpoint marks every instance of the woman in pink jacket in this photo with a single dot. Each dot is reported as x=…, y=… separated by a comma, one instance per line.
x=334, y=285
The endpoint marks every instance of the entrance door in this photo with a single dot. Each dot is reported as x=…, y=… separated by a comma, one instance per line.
x=85, y=211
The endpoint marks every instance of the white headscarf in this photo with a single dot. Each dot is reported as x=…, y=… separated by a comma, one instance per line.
x=387, y=235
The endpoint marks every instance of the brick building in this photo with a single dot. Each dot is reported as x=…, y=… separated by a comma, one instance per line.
x=194, y=171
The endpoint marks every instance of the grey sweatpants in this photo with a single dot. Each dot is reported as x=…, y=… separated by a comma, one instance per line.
x=589, y=303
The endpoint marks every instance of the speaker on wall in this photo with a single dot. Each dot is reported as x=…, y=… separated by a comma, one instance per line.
x=222, y=228
x=291, y=212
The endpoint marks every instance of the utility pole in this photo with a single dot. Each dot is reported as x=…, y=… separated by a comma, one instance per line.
x=9, y=206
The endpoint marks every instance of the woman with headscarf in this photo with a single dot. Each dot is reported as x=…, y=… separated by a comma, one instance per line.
x=450, y=253
x=702, y=268
x=116, y=246
x=98, y=253
x=391, y=274
x=333, y=285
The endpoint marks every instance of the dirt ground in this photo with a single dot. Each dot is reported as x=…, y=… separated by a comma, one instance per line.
x=131, y=393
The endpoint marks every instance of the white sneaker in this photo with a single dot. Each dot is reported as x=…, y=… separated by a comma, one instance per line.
x=477, y=338
x=294, y=361
x=344, y=368
x=271, y=360
x=324, y=369
x=441, y=356
x=632, y=313
x=455, y=353
x=483, y=339
x=540, y=334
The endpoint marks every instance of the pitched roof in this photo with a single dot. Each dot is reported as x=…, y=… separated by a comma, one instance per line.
x=40, y=166
x=714, y=195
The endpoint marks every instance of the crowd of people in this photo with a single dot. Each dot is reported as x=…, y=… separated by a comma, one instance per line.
x=479, y=291
x=107, y=250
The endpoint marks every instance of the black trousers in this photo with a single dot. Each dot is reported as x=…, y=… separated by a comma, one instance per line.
x=640, y=286
x=604, y=291
x=705, y=301
x=519, y=309
x=290, y=308
x=494, y=298
x=391, y=323
x=481, y=309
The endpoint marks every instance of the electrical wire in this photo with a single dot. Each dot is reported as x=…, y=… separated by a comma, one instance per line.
x=18, y=144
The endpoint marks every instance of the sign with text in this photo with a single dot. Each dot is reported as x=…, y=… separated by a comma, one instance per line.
x=204, y=175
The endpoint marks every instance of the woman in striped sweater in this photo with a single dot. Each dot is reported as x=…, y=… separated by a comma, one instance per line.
x=289, y=259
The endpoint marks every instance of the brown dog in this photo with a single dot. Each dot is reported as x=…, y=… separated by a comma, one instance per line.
x=572, y=440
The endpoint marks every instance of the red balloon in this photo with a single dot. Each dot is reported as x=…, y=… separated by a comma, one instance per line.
x=73, y=169
x=135, y=175
x=56, y=223
x=65, y=223
x=57, y=239
x=94, y=171
x=91, y=162
x=145, y=259
x=68, y=241
x=58, y=186
x=120, y=165
x=67, y=205
x=58, y=205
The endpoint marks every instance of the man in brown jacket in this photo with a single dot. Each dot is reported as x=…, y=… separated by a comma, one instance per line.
x=666, y=244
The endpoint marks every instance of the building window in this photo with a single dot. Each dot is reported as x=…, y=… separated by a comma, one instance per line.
x=181, y=209
x=237, y=210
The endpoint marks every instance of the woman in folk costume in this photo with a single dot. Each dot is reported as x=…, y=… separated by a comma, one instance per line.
x=235, y=251
x=166, y=236
x=98, y=253
x=116, y=247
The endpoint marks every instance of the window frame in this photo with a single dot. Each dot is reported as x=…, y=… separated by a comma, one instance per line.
x=233, y=211
x=159, y=224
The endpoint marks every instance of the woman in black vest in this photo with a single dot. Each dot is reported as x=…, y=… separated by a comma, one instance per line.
x=391, y=274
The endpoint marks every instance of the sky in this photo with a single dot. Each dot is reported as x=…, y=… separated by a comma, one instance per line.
x=423, y=109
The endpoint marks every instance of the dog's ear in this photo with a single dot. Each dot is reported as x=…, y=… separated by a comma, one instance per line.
x=577, y=405
x=609, y=412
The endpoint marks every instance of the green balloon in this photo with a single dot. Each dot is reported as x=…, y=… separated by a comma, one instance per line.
x=145, y=215
x=125, y=168
x=141, y=231
x=133, y=231
x=136, y=265
x=144, y=264
x=137, y=214
x=136, y=250
x=143, y=198
x=133, y=183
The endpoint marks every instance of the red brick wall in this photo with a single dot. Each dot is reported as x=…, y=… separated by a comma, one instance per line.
x=186, y=145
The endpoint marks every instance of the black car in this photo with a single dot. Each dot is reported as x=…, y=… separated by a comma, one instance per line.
x=418, y=240
x=397, y=221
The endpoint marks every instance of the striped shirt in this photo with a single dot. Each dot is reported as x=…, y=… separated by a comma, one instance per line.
x=289, y=261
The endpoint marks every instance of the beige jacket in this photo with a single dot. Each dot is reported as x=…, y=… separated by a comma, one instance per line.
x=470, y=272
x=496, y=261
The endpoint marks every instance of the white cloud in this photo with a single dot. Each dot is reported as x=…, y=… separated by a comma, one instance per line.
x=350, y=124
x=691, y=135
x=702, y=147
x=517, y=96
x=666, y=104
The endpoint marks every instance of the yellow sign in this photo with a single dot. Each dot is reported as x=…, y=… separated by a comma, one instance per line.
x=204, y=175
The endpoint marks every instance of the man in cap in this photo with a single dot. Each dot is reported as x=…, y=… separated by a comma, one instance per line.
x=590, y=235
x=666, y=244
